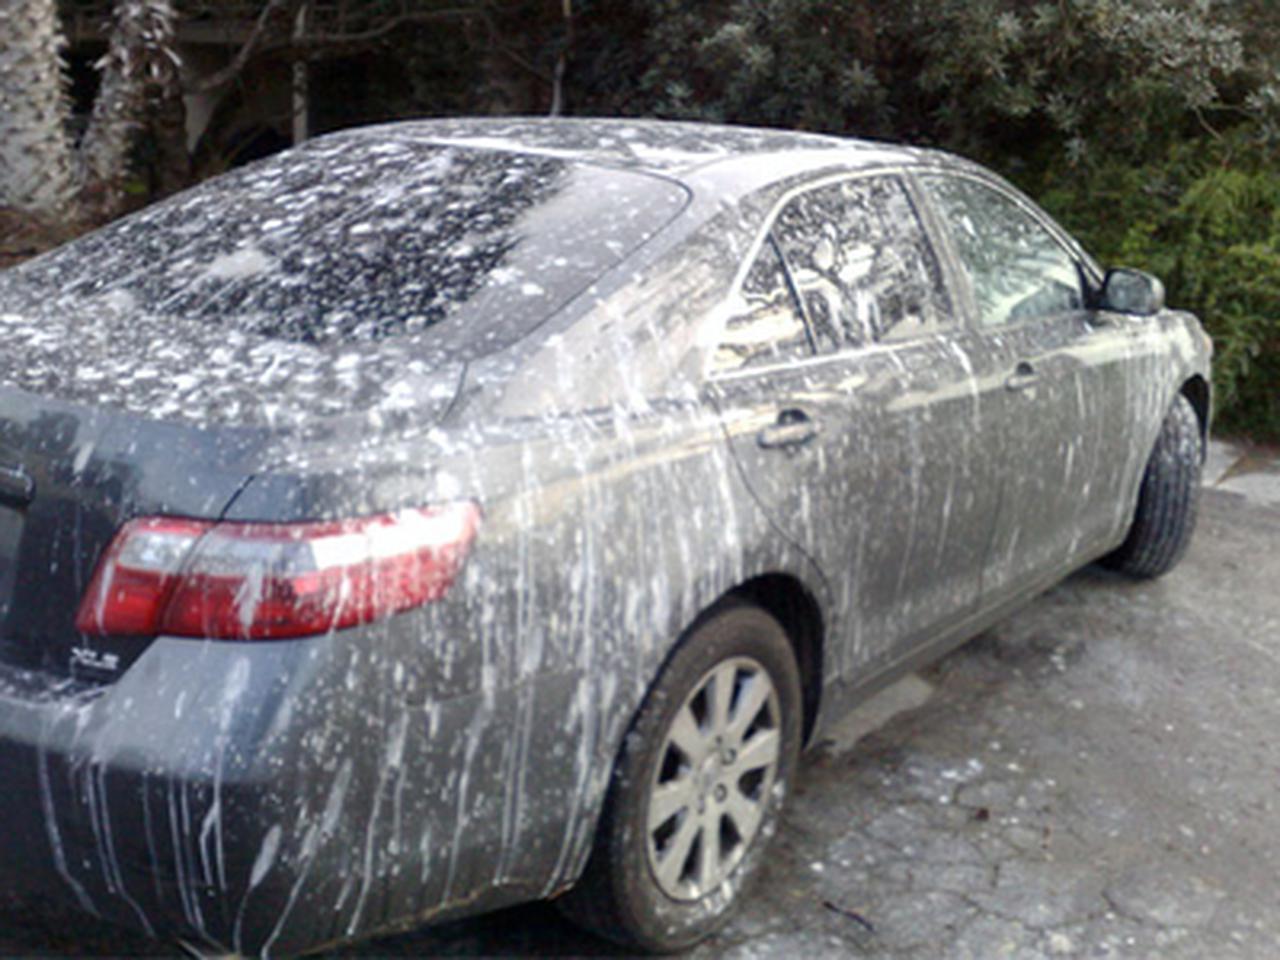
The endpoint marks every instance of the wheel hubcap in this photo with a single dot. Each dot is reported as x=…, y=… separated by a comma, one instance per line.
x=715, y=770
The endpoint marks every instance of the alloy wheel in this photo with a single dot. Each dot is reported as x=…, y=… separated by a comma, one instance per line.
x=718, y=762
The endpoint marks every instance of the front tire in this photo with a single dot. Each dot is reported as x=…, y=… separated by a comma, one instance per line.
x=697, y=786
x=1168, y=502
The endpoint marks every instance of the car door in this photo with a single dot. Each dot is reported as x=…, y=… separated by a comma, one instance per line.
x=859, y=431
x=1038, y=357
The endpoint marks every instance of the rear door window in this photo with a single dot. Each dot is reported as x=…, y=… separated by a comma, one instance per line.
x=862, y=263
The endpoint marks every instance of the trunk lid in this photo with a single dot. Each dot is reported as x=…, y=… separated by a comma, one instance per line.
x=70, y=475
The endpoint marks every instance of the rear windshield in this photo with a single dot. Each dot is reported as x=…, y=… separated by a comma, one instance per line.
x=358, y=238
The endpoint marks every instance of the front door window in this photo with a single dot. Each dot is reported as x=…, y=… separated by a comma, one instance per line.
x=1019, y=271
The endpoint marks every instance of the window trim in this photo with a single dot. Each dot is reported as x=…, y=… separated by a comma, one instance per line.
x=724, y=315
x=797, y=301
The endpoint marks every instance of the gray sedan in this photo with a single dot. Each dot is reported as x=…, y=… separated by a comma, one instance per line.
x=450, y=514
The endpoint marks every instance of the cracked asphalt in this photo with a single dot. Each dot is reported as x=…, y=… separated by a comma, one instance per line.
x=1095, y=777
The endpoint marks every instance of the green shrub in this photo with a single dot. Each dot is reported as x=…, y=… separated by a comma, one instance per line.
x=1206, y=218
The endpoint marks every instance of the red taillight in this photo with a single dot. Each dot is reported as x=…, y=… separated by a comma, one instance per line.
x=251, y=581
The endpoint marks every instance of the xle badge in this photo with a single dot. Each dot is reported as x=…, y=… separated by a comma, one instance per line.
x=85, y=657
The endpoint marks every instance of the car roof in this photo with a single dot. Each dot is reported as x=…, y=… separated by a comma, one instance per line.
x=689, y=152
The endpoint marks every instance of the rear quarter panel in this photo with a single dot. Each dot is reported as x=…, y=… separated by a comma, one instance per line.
x=476, y=736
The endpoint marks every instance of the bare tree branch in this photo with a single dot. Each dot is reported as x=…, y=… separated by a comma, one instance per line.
x=246, y=51
x=315, y=44
x=518, y=60
x=390, y=25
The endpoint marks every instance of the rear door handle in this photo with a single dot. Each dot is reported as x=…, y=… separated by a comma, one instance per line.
x=1024, y=377
x=793, y=428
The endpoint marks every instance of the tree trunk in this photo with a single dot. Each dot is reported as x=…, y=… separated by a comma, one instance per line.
x=169, y=131
x=139, y=73
x=37, y=168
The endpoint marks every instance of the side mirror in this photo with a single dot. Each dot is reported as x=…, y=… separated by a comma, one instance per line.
x=1132, y=292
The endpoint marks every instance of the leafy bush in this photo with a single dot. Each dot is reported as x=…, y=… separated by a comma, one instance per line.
x=1206, y=218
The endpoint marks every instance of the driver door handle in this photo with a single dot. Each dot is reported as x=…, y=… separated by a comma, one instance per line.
x=793, y=428
x=1024, y=377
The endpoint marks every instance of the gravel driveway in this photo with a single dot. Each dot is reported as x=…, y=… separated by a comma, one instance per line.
x=1094, y=778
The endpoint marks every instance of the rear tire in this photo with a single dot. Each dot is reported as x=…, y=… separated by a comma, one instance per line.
x=697, y=786
x=1168, y=501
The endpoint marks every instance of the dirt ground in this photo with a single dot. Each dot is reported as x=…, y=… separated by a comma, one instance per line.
x=1096, y=777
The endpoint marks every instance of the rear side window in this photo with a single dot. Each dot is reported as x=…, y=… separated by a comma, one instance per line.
x=363, y=237
x=765, y=326
x=862, y=263
x=1018, y=269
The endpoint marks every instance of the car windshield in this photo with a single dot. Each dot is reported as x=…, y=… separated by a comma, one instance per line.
x=359, y=238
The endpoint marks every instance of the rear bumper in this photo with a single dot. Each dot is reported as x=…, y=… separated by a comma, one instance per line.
x=118, y=843
x=220, y=793
x=147, y=804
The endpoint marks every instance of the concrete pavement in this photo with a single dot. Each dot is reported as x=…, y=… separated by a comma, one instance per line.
x=1248, y=471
